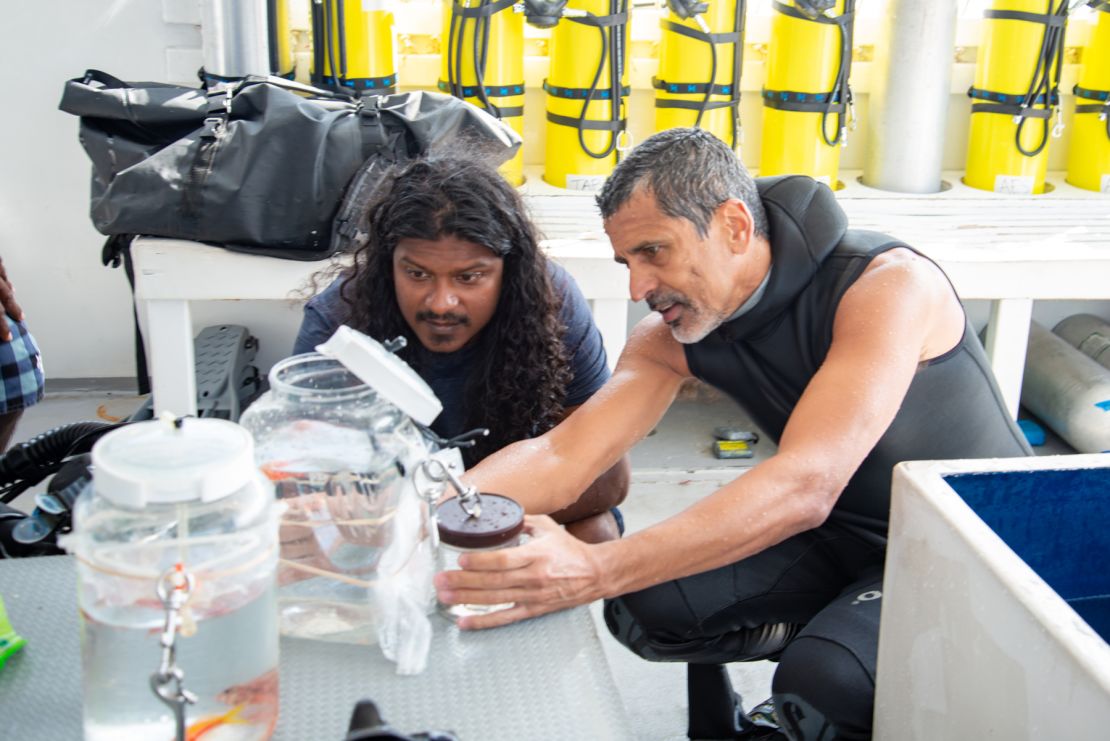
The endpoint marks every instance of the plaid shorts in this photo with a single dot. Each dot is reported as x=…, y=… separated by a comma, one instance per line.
x=21, y=369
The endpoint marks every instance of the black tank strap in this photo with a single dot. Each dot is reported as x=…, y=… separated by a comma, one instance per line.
x=386, y=84
x=1048, y=19
x=601, y=21
x=689, y=88
x=785, y=100
x=491, y=91
x=1100, y=109
x=694, y=105
x=581, y=93
x=1012, y=105
x=837, y=20
x=729, y=37
x=587, y=124
x=1088, y=94
x=481, y=11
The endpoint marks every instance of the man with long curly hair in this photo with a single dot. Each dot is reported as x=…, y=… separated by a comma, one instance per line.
x=447, y=257
x=849, y=349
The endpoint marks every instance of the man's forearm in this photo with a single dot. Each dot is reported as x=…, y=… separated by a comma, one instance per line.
x=750, y=514
x=606, y=492
x=532, y=473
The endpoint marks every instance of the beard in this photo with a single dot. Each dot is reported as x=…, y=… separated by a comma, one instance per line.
x=693, y=324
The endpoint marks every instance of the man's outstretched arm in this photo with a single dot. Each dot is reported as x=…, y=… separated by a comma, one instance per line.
x=899, y=313
x=587, y=449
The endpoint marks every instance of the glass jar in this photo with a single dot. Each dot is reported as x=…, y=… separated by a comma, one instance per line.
x=340, y=456
x=476, y=522
x=176, y=545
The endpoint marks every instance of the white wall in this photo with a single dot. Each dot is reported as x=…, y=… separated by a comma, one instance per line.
x=78, y=311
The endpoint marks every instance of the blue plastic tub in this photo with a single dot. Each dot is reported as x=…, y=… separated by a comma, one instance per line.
x=1058, y=522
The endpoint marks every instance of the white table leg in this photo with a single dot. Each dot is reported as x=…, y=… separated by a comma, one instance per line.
x=1007, y=341
x=170, y=349
x=611, y=318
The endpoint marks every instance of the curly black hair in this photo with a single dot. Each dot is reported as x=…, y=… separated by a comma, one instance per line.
x=518, y=381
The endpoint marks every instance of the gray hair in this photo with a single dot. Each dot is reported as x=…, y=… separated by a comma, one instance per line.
x=690, y=172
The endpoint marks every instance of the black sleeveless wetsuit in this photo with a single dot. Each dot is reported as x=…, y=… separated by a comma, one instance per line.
x=813, y=601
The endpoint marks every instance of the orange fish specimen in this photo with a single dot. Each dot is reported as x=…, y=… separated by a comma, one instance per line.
x=197, y=731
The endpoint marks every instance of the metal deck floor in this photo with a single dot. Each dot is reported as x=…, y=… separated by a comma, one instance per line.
x=672, y=467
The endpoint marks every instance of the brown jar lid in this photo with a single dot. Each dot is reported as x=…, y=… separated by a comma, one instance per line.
x=500, y=521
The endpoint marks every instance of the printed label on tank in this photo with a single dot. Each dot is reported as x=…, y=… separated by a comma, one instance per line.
x=1105, y=183
x=589, y=183
x=371, y=5
x=1018, y=185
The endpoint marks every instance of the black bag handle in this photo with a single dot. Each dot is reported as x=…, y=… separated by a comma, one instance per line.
x=290, y=85
x=105, y=79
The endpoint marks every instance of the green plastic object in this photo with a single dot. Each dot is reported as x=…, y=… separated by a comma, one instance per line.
x=10, y=641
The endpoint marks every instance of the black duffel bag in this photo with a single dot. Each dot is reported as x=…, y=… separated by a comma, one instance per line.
x=258, y=166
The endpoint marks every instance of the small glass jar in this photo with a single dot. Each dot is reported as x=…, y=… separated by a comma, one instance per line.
x=497, y=522
x=339, y=454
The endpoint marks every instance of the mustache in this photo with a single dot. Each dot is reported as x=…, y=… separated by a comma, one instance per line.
x=656, y=300
x=426, y=316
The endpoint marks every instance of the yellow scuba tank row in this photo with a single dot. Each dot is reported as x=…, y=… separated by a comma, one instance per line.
x=356, y=52
x=483, y=63
x=1089, y=153
x=806, y=96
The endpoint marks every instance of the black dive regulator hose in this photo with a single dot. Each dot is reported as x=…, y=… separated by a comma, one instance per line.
x=28, y=463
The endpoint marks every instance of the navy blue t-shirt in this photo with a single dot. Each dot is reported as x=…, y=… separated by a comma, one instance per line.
x=446, y=373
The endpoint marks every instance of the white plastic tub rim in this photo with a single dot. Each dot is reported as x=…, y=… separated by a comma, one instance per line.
x=1043, y=603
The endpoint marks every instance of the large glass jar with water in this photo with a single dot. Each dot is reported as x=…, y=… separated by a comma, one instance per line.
x=335, y=433
x=176, y=545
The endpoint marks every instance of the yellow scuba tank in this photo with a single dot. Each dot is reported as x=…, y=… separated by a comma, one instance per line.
x=483, y=64
x=282, y=61
x=1016, y=93
x=1089, y=154
x=353, y=46
x=807, y=103
x=701, y=46
x=586, y=90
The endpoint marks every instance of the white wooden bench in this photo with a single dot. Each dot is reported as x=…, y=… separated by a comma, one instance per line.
x=1010, y=250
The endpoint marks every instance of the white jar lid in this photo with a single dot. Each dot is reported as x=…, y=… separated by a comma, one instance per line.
x=384, y=372
x=172, y=460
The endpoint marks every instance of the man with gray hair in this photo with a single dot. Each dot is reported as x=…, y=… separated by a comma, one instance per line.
x=848, y=348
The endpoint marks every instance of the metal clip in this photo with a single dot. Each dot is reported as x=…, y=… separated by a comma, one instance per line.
x=1058, y=129
x=624, y=140
x=395, y=345
x=174, y=589
x=469, y=498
